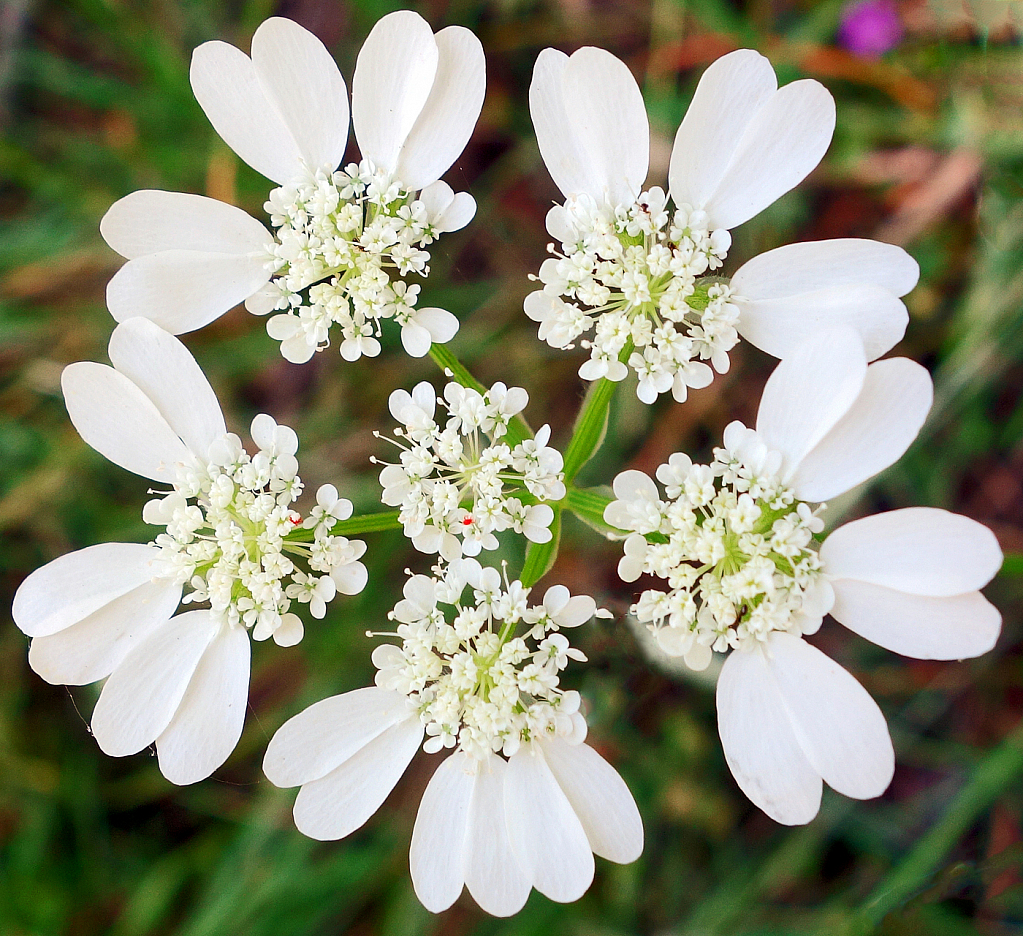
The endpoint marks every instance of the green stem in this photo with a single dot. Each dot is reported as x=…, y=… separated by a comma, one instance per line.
x=591, y=424
x=540, y=556
x=441, y=355
x=995, y=773
x=588, y=505
x=353, y=526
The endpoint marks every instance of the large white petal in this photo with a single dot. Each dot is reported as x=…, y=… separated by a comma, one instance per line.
x=760, y=745
x=567, y=161
x=809, y=391
x=873, y=434
x=546, y=835
x=164, y=370
x=493, y=874
x=781, y=145
x=600, y=798
x=730, y=93
x=225, y=84
x=94, y=647
x=141, y=696
x=208, y=722
x=839, y=726
x=73, y=586
x=394, y=74
x=812, y=265
x=437, y=854
x=340, y=802
x=151, y=221
x=446, y=121
x=609, y=121
x=778, y=326
x=302, y=83
x=182, y=290
x=956, y=627
x=312, y=743
x=120, y=422
x=919, y=550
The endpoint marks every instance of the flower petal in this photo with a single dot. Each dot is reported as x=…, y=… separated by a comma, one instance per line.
x=78, y=584
x=563, y=153
x=340, y=802
x=182, y=290
x=208, y=722
x=760, y=745
x=141, y=696
x=956, y=627
x=94, y=647
x=493, y=875
x=225, y=84
x=164, y=370
x=546, y=835
x=449, y=115
x=918, y=550
x=303, y=85
x=438, y=851
x=441, y=324
x=151, y=221
x=839, y=726
x=731, y=92
x=600, y=799
x=873, y=434
x=394, y=74
x=415, y=339
x=633, y=485
x=812, y=265
x=120, y=422
x=458, y=214
x=609, y=122
x=780, y=147
x=809, y=392
x=778, y=326
x=312, y=743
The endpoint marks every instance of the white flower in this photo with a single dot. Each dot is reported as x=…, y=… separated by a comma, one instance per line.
x=497, y=826
x=456, y=488
x=745, y=574
x=415, y=101
x=630, y=269
x=106, y=611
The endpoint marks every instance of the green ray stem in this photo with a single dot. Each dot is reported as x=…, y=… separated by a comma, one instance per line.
x=591, y=424
x=353, y=526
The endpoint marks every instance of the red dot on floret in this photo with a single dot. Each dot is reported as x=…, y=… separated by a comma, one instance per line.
x=467, y=521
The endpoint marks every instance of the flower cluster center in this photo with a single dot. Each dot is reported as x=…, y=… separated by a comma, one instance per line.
x=734, y=545
x=472, y=680
x=340, y=236
x=234, y=538
x=636, y=274
x=459, y=484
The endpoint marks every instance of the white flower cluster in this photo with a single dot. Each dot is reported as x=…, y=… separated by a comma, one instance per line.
x=630, y=273
x=340, y=235
x=471, y=679
x=734, y=544
x=459, y=485
x=238, y=543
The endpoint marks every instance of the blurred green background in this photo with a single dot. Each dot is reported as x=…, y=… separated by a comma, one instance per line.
x=95, y=102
